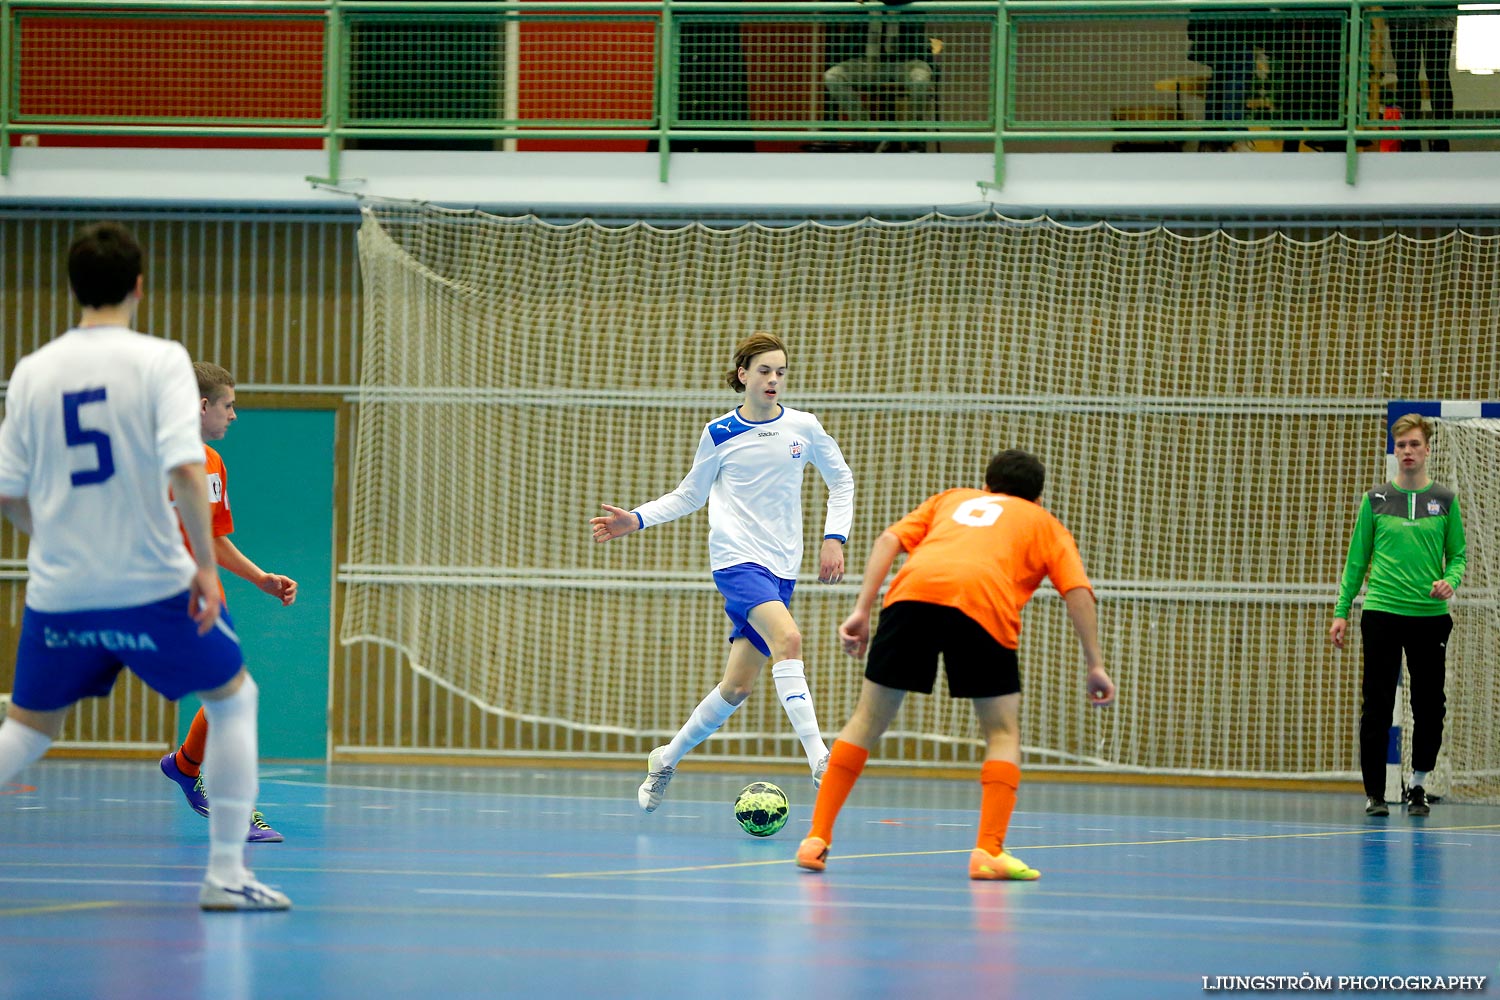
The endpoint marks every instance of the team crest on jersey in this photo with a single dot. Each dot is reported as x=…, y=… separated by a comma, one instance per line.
x=1434, y=508
x=215, y=487
x=796, y=449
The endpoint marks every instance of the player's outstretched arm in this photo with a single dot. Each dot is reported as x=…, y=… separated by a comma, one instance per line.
x=615, y=522
x=190, y=488
x=18, y=511
x=855, y=631
x=1084, y=616
x=229, y=556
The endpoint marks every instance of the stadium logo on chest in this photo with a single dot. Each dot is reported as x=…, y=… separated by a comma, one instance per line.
x=796, y=449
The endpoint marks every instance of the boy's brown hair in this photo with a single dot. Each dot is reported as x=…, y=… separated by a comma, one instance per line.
x=746, y=351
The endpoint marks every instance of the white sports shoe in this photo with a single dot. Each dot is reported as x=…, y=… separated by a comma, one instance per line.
x=658, y=774
x=820, y=769
x=216, y=894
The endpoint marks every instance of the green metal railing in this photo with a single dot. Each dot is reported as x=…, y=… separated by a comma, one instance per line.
x=685, y=73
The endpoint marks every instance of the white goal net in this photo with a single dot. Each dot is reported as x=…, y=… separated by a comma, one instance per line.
x=1209, y=410
x=1466, y=456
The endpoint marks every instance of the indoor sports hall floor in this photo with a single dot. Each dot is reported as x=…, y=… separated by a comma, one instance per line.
x=491, y=882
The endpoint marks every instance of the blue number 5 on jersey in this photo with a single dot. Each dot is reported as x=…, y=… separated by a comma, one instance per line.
x=78, y=436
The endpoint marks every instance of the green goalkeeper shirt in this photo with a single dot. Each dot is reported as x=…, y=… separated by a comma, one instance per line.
x=1406, y=539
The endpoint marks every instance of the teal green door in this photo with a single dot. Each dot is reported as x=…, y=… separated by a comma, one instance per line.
x=280, y=465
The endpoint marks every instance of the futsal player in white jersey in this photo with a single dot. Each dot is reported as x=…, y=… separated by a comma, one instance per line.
x=97, y=424
x=748, y=469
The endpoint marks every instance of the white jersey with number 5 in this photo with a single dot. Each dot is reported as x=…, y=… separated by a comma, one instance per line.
x=750, y=474
x=93, y=422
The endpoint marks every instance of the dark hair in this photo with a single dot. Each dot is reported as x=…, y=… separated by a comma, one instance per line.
x=745, y=352
x=1015, y=473
x=104, y=264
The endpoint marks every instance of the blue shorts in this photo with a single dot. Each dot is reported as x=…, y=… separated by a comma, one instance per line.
x=746, y=586
x=76, y=654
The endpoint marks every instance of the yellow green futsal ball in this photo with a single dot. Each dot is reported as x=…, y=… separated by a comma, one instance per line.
x=761, y=808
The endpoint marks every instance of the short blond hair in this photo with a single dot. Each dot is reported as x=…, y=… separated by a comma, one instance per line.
x=1412, y=422
x=212, y=380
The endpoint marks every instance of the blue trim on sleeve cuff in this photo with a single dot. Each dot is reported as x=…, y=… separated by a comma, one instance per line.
x=838, y=538
x=640, y=521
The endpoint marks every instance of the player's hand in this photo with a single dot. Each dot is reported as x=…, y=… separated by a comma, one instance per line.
x=616, y=522
x=204, y=602
x=831, y=561
x=1336, y=632
x=1442, y=590
x=1100, y=688
x=283, y=588
x=854, y=633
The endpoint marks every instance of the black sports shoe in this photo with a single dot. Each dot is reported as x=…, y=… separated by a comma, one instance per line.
x=1376, y=806
x=1416, y=801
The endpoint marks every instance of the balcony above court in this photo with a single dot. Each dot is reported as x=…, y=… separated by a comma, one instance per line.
x=1039, y=103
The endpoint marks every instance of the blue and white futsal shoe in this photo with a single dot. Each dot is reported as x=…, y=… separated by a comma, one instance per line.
x=218, y=895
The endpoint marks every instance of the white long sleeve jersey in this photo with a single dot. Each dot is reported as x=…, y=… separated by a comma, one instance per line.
x=750, y=475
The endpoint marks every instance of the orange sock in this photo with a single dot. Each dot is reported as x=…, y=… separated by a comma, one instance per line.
x=190, y=754
x=845, y=762
x=999, y=779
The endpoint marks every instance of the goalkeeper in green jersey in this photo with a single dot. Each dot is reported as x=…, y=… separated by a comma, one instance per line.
x=1410, y=538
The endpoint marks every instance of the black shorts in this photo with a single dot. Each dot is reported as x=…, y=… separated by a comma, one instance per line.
x=911, y=634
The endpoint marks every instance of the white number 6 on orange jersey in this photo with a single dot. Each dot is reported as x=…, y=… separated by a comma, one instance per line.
x=980, y=512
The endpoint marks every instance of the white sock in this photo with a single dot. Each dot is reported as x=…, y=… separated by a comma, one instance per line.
x=230, y=777
x=20, y=747
x=712, y=712
x=1419, y=778
x=791, y=691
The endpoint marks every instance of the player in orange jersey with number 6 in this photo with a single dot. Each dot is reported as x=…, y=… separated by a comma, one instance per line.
x=975, y=557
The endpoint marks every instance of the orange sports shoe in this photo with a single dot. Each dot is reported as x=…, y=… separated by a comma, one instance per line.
x=812, y=854
x=984, y=866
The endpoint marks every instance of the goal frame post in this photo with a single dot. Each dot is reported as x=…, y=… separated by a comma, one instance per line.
x=1439, y=409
